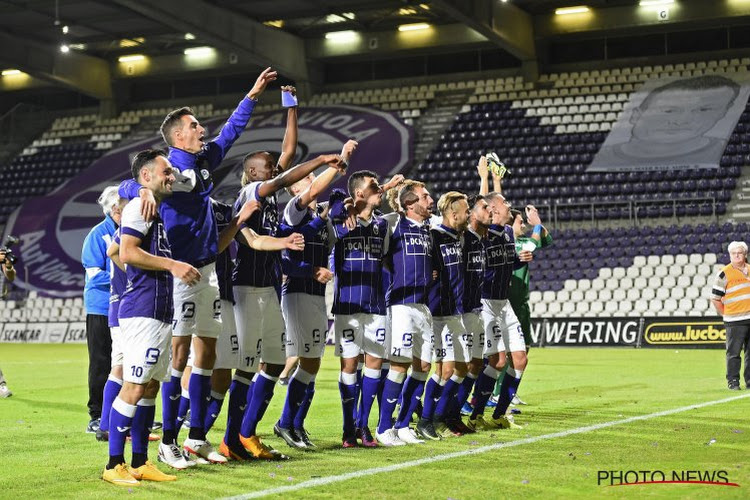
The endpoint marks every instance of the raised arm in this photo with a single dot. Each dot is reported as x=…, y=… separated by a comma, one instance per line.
x=484, y=176
x=289, y=144
x=293, y=175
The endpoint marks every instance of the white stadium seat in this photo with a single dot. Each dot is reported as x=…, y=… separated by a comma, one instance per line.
x=639, y=261
x=584, y=284
x=605, y=295
x=681, y=259
x=667, y=259
x=647, y=271
x=582, y=308
x=563, y=296
x=618, y=272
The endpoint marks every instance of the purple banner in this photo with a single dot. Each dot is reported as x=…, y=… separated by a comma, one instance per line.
x=52, y=227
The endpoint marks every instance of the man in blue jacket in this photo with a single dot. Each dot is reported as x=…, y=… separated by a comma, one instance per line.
x=96, y=300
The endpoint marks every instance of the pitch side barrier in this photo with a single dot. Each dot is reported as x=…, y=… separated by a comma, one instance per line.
x=675, y=332
x=687, y=332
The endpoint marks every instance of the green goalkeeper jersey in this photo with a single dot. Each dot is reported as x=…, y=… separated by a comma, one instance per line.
x=519, y=282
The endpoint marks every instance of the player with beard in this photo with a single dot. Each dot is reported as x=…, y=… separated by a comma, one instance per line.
x=145, y=317
x=303, y=297
x=501, y=327
x=191, y=227
x=256, y=279
x=410, y=338
x=446, y=305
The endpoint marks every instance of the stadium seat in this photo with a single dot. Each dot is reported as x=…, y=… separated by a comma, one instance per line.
x=640, y=306
x=647, y=271
x=568, y=308
x=611, y=308
x=582, y=308
x=553, y=309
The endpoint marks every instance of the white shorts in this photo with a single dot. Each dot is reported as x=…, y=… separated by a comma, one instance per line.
x=502, y=331
x=451, y=339
x=410, y=334
x=116, y=335
x=197, y=308
x=260, y=327
x=146, y=346
x=355, y=333
x=306, y=323
x=475, y=328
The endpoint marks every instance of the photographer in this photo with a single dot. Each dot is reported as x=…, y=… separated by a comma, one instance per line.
x=9, y=274
x=96, y=300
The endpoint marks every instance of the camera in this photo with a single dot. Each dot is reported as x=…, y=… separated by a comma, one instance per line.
x=9, y=242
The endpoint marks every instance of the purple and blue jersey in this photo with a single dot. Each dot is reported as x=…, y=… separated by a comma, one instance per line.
x=501, y=260
x=118, y=280
x=253, y=267
x=224, y=265
x=148, y=294
x=188, y=214
x=358, y=267
x=298, y=266
x=410, y=258
x=473, y=256
x=446, y=292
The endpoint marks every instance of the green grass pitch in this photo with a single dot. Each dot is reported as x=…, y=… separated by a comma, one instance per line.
x=44, y=452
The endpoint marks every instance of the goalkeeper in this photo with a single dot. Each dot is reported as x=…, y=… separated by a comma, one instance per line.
x=519, y=282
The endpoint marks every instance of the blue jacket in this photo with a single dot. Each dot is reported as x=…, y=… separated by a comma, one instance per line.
x=96, y=265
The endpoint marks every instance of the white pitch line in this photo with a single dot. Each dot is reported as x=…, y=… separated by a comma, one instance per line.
x=483, y=449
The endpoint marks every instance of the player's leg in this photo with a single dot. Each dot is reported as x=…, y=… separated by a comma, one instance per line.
x=306, y=324
x=349, y=339
x=513, y=341
x=227, y=352
x=455, y=344
x=139, y=338
x=399, y=344
x=421, y=361
x=374, y=349
x=248, y=323
x=492, y=311
x=113, y=385
x=272, y=351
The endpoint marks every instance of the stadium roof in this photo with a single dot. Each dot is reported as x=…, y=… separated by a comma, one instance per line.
x=290, y=34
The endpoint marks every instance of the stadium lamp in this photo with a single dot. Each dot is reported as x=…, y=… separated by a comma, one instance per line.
x=413, y=27
x=571, y=10
x=11, y=72
x=131, y=58
x=199, y=51
x=655, y=3
x=64, y=48
x=341, y=36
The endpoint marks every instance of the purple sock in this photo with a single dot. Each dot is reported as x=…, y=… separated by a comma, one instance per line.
x=143, y=420
x=485, y=383
x=182, y=410
x=383, y=375
x=213, y=410
x=370, y=386
x=391, y=389
x=432, y=392
x=348, y=391
x=447, y=399
x=120, y=421
x=295, y=396
x=410, y=396
x=111, y=390
x=237, y=404
x=299, y=418
x=199, y=388
x=464, y=390
x=511, y=381
x=262, y=392
x=170, y=400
